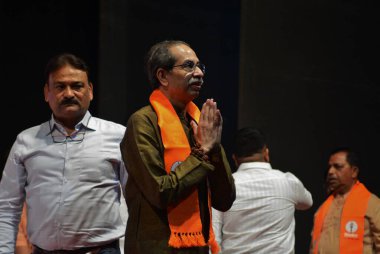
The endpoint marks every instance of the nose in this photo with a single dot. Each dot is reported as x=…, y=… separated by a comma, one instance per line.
x=330, y=170
x=68, y=92
x=198, y=72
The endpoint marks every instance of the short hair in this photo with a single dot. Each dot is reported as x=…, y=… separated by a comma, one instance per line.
x=159, y=56
x=61, y=60
x=248, y=141
x=351, y=156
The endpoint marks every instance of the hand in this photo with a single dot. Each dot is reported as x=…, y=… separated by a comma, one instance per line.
x=208, y=132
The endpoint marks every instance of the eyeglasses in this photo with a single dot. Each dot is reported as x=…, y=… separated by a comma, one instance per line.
x=59, y=137
x=77, y=138
x=190, y=66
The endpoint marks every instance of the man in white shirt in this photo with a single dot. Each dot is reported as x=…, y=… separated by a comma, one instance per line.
x=261, y=220
x=68, y=170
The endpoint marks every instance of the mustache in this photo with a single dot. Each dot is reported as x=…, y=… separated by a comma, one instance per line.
x=329, y=178
x=196, y=80
x=69, y=101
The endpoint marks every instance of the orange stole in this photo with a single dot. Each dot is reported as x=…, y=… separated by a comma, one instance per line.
x=351, y=223
x=184, y=218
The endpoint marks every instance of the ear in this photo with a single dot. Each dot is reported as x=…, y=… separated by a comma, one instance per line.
x=266, y=154
x=355, y=172
x=235, y=160
x=161, y=75
x=46, y=92
x=91, y=88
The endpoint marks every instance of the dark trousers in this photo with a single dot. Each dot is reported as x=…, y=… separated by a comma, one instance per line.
x=110, y=248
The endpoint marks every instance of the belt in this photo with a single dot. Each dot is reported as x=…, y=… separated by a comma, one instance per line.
x=92, y=250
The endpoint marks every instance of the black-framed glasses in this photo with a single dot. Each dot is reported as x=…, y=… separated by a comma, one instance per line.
x=190, y=66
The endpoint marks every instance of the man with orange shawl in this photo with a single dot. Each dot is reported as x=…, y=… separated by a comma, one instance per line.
x=176, y=164
x=349, y=220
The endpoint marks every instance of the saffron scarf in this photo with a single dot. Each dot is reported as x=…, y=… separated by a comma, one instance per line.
x=351, y=223
x=184, y=218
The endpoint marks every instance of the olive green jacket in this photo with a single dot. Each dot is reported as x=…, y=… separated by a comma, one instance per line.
x=150, y=190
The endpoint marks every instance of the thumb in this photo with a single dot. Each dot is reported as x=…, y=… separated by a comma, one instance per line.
x=194, y=126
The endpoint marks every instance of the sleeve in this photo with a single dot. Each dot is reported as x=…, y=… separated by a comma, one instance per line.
x=217, y=225
x=221, y=182
x=12, y=196
x=123, y=206
x=302, y=196
x=142, y=152
x=374, y=219
x=123, y=177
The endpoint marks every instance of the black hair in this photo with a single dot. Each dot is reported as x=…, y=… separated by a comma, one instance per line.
x=351, y=156
x=61, y=60
x=159, y=56
x=248, y=141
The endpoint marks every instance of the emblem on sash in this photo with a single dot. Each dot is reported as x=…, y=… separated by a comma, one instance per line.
x=351, y=228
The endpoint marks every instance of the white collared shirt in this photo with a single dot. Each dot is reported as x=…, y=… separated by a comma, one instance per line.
x=71, y=185
x=261, y=220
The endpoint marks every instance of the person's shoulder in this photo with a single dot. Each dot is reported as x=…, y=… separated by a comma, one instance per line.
x=291, y=177
x=107, y=124
x=32, y=136
x=374, y=199
x=35, y=130
x=373, y=208
x=282, y=174
x=30, y=130
x=277, y=172
x=146, y=112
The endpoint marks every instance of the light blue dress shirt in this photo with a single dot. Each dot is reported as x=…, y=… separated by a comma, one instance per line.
x=71, y=185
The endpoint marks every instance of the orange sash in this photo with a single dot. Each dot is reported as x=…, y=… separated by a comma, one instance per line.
x=184, y=218
x=351, y=223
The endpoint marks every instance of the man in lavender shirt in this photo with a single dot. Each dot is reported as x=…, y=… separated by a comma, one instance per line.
x=68, y=171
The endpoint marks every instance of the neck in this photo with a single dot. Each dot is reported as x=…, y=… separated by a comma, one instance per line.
x=179, y=105
x=257, y=157
x=181, y=110
x=68, y=124
x=344, y=191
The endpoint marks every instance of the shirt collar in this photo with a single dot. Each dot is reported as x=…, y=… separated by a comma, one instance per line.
x=260, y=165
x=84, y=123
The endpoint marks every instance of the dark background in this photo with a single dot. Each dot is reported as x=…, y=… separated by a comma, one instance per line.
x=303, y=71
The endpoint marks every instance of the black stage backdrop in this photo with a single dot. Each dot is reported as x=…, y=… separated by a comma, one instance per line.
x=304, y=71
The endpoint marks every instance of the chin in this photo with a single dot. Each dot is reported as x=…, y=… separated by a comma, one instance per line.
x=331, y=189
x=191, y=96
x=195, y=94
